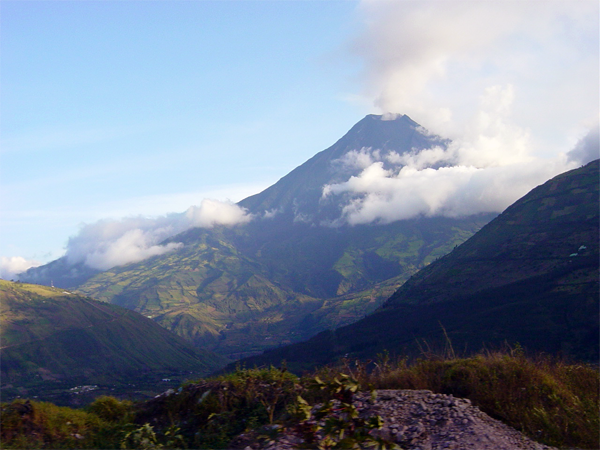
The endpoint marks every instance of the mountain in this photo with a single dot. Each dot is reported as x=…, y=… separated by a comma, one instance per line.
x=295, y=269
x=218, y=293
x=551, y=231
x=51, y=338
x=60, y=273
x=298, y=195
x=530, y=276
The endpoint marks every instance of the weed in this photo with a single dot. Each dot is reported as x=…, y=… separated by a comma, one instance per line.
x=143, y=438
x=551, y=401
x=336, y=424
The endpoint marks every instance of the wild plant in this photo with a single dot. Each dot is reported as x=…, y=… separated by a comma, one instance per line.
x=336, y=423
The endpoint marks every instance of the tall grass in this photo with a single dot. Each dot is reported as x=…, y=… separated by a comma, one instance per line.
x=547, y=399
x=551, y=401
x=32, y=425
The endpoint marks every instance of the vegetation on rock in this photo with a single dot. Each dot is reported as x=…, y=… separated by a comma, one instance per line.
x=549, y=400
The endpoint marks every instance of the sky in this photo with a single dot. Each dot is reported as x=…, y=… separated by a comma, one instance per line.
x=124, y=122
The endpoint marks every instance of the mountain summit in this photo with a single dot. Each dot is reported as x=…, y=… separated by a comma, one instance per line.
x=299, y=194
x=297, y=268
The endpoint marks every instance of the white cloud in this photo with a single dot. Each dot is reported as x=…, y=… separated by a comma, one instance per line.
x=109, y=243
x=588, y=148
x=10, y=267
x=271, y=213
x=513, y=84
x=433, y=59
x=355, y=159
x=381, y=196
x=485, y=171
x=214, y=212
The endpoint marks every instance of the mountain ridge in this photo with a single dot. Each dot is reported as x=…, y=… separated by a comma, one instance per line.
x=302, y=187
x=60, y=337
x=550, y=307
x=567, y=200
x=288, y=273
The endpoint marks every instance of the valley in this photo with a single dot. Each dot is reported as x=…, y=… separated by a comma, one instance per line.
x=292, y=271
x=368, y=304
x=529, y=277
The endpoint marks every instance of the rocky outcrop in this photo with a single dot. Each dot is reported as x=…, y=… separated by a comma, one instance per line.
x=422, y=420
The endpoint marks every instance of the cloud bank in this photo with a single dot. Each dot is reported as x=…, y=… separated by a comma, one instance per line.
x=109, y=243
x=485, y=171
x=433, y=59
x=10, y=267
x=513, y=84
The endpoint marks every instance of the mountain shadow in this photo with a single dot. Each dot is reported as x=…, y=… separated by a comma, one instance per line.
x=529, y=277
x=296, y=269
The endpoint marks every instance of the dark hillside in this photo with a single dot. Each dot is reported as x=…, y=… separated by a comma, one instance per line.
x=550, y=229
x=528, y=277
x=59, y=338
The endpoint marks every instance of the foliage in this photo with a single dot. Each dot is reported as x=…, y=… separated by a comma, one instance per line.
x=549, y=400
x=212, y=412
x=29, y=424
x=111, y=409
x=336, y=424
x=143, y=438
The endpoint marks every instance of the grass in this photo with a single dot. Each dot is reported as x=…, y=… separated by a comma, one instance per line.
x=32, y=425
x=551, y=401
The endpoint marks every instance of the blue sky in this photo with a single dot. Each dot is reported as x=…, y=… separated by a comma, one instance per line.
x=113, y=109
x=116, y=108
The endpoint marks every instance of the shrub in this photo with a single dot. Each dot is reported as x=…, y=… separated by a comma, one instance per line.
x=28, y=424
x=549, y=400
x=111, y=409
x=212, y=412
x=336, y=424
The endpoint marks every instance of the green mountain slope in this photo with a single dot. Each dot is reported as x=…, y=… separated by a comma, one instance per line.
x=51, y=335
x=529, y=276
x=551, y=229
x=299, y=193
x=239, y=291
x=288, y=273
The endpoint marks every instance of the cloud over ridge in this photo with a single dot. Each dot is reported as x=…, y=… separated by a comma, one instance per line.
x=109, y=243
x=512, y=84
x=486, y=170
x=11, y=266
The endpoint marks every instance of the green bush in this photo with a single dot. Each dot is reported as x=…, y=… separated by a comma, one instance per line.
x=212, y=412
x=29, y=424
x=111, y=409
x=549, y=400
x=336, y=424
